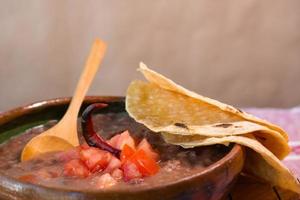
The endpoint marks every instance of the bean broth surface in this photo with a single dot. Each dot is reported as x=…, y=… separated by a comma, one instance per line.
x=175, y=162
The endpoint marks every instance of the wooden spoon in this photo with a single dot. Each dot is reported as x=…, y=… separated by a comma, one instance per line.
x=64, y=135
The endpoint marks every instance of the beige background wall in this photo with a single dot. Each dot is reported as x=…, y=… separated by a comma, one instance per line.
x=242, y=52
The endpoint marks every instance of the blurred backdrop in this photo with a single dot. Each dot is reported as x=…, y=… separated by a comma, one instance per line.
x=245, y=53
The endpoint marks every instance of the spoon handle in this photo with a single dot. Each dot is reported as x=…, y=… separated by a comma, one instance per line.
x=95, y=57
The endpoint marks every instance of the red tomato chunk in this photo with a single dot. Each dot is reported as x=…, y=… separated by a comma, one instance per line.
x=134, y=163
x=126, y=153
x=114, y=163
x=144, y=158
x=76, y=168
x=144, y=145
x=95, y=159
x=120, y=140
x=145, y=163
x=130, y=171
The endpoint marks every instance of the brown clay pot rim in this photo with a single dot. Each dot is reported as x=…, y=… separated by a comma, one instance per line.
x=32, y=107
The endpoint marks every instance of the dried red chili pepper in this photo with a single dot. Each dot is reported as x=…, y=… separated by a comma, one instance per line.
x=90, y=135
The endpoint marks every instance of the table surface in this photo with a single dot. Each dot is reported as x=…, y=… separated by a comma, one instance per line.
x=289, y=120
x=247, y=188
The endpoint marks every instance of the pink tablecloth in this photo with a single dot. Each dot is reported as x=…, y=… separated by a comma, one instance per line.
x=289, y=120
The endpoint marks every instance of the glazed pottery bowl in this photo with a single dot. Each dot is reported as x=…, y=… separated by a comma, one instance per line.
x=211, y=183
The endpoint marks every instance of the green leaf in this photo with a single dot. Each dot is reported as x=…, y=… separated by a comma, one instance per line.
x=19, y=129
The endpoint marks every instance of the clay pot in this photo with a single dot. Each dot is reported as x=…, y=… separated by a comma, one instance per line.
x=212, y=183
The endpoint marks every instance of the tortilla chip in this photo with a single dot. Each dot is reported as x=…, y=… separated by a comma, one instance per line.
x=260, y=162
x=168, y=84
x=168, y=111
x=187, y=119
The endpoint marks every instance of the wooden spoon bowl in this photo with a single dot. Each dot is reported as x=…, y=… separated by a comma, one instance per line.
x=64, y=135
x=212, y=183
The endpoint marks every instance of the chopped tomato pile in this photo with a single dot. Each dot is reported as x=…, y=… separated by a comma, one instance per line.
x=136, y=161
x=103, y=168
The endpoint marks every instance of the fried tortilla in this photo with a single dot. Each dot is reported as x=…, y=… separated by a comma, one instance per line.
x=163, y=110
x=260, y=162
x=165, y=83
x=187, y=119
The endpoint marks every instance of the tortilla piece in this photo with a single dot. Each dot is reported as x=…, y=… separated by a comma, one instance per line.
x=188, y=119
x=260, y=162
x=168, y=84
x=164, y=110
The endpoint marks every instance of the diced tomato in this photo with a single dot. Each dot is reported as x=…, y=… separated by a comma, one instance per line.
x=114, y=163
x=95, y=159
x=125, y=138
x=126, y=153
x=117, y=174
x=69, y=155
x=104, y=181
x=130, y=171
x=118, y=141
x=144, y=145
x=114, y=141
x=29, y=178
x=143, y=158
x=134, y=163
x=76, y=168
x=145, y=163
x=84, y=146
